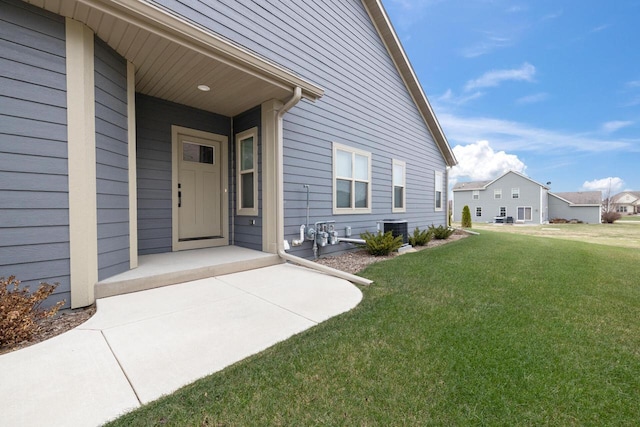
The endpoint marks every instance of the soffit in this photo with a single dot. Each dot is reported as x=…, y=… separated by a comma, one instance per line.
x=172, y=57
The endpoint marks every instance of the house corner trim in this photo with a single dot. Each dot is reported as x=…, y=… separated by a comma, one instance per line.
x=269, y=174
x=133, y=171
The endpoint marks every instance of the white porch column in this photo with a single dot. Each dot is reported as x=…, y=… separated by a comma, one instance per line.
x=133, y=171
x=83, y=223
x=269, y=174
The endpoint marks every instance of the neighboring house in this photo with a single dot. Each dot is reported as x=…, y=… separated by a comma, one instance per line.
x=514, y=197
x=627, y=202
x=134, y=127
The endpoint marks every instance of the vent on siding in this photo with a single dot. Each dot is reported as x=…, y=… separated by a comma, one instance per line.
x=398, y=227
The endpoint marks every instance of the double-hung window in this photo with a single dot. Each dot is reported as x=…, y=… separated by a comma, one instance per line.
x=399, y=183
x=351, y=180
x=497, y=194
x=478, y=211
x=247, y=172
x=438, y=187
x=475, y=195
x=515, y=193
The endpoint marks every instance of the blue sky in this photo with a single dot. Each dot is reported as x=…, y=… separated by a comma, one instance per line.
x=548, y=88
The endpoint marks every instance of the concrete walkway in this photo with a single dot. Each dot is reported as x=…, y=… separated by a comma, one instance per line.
x=140, y=346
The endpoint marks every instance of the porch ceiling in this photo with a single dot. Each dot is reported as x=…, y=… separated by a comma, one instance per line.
x=172, y=57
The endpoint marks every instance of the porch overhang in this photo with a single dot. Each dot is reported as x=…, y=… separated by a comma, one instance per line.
x=173, y=56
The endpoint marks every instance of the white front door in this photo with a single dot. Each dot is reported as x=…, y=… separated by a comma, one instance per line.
x=200, y=196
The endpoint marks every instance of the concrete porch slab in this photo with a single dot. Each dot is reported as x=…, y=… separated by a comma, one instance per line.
x=170, y=268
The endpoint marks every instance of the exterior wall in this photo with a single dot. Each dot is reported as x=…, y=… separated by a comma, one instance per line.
x=112, y=173
x=558, y=208
x=245, y=233
x=531, y=195
x=366, y=105
x=154, y=118
x=34, y=230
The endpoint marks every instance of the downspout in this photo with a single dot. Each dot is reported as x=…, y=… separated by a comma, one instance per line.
x=297, y=95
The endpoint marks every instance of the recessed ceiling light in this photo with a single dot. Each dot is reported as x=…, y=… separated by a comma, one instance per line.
x=204, y=88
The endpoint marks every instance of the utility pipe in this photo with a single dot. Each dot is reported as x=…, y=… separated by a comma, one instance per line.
x=297, y=95
x=350, y=240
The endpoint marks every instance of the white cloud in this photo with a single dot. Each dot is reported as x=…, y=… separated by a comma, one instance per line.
x=485, y=46
x=615, y=125
x=449, y=97
x=613, y=184
x=479, y=162
x=514, y=136
x=532, y=99
x=495, y=77
x=634, y=83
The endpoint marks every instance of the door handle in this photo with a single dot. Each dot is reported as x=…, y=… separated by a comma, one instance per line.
x=179, y=196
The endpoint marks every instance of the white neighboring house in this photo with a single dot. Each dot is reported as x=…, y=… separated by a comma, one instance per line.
x=627, y=202
x=514, y=197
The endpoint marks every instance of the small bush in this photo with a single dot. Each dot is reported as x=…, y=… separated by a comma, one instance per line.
x=20, y=310
x=610, y=217
x=420, y=238
x=466, y=217
x=441, y=232
x=381, y=244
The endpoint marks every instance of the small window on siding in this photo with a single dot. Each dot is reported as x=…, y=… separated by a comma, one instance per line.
x=497, y=194
x=478, y=211
x=247, y=172
x=351, y=180
x=475, y=195
x=399, y=184
x=438, y=187
x=515, y=193
x=503, y=211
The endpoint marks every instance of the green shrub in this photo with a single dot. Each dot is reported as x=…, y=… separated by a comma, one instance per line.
x=420, y=238
x=466, y=217
x=441, y=232
x=381, y=244
x=20, y=310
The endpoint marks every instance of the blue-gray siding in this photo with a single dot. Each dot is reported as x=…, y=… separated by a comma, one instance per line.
x=112, y=169
x=154, y=118
x=366, y=105
x=560, y=209
x=246, y=234
x=34, y=213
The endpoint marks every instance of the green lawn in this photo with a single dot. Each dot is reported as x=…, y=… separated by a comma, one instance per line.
x=624, y=234
x=495, y=329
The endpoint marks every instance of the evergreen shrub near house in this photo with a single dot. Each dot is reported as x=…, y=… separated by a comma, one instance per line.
x=420, y=238
x=381, y=244
x=466, y=217
x=20, y=310
x=441, y=232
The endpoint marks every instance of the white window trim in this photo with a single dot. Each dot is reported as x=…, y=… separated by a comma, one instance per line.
x=353, y=210
x=497, y=194
x=438, y=174
x=500, y=211
x=395, y=163
x=475, y=195
x=478, y=209
x=253, y=132
x=515, y=191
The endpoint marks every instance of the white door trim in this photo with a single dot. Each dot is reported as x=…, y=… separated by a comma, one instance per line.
x=178, y=245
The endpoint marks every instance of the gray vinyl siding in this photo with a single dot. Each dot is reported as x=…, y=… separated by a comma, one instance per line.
x=559, y=208
x=34, y=230
x=333, y=44
x=244, y=233
x=112, y=161
x=531, y=195
x=154, y=118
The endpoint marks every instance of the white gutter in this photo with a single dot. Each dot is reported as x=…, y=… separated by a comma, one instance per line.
x=297, y=95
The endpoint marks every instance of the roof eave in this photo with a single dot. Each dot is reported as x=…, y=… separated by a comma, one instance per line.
x=389, y=37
